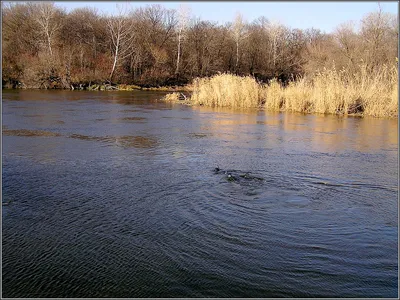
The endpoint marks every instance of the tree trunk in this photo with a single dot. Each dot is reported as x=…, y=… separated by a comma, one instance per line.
x=237, y=56
x=115, y=60
x=179, y=54
x=95, y=57
x=113, y=67
x=49, y=42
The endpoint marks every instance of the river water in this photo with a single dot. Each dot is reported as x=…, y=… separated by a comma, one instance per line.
x=114, y=194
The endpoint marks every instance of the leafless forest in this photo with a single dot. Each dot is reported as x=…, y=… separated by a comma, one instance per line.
x=46, y=47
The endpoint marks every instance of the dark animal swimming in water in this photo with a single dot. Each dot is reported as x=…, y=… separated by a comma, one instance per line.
x=233, y=175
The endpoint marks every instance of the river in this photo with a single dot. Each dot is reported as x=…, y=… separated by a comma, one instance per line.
x=114, y=194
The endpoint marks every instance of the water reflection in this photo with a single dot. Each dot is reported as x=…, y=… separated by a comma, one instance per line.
x=336, y=133
x=125, y=98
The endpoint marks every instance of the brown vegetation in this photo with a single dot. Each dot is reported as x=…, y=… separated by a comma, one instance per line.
x=347, y=71
x=339, y=92
x=327, y=92
x=227, y=90
x=44, y=46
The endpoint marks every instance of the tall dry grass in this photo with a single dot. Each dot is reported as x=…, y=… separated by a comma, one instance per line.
x=372, y=93
x=227, y=90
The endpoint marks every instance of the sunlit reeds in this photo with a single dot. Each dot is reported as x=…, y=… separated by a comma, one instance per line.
x=172, y=97
x=227, y=90
x=367, y=92
x=373, y=93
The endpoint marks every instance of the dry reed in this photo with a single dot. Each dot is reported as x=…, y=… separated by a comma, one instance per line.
x=372, y=93
x=172, y=97
x=226, y=90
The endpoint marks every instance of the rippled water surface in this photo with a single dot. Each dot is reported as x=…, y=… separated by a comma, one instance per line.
x=114, y=194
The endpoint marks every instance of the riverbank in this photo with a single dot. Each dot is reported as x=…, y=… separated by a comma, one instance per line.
x=366, y=93
x=101, y=87
x=329, y=92
x=126, y=87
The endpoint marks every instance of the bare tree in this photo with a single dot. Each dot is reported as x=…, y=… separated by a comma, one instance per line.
x=203, y=46
x=81, y=37
x=183, y=19
x=348, y=43
x=275, y=30
x=238, y=32
x=377, y=32
x=155, y=34
x=318, y=50
x=120, y=29
x=48, y=18
x=42, y=44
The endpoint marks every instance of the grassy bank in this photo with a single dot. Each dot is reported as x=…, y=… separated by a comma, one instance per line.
x=372, y=93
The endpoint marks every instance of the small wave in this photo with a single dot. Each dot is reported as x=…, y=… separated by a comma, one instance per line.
x=312, y=180
x=121, y=141
x=133, y=119
x=199, y=135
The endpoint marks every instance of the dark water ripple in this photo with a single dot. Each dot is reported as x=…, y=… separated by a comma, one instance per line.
x=114, y=195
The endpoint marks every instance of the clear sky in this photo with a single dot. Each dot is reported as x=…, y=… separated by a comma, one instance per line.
x=321, y=15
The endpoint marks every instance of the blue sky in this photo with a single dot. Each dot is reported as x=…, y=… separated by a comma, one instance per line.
x=322, y=15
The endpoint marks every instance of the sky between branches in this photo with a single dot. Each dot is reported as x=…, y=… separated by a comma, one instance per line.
x=325, y=16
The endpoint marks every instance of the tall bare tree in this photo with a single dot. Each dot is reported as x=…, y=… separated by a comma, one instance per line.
x=377, y=32
x=47, y=15
x=183, y=20
x=120, y=29
x=155, y=34
x=238, y=32
x=348, y=43
x=275, y=31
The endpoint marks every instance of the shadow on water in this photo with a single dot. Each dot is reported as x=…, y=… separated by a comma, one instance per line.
x=110, y=194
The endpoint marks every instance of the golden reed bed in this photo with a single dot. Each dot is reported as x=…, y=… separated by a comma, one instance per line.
x=372, y=93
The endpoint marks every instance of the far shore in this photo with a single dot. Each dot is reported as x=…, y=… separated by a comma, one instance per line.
x=106, y=87
x=329, y=92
